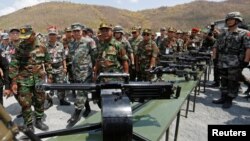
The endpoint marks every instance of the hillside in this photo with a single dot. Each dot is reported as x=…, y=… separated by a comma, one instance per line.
x=62, y=14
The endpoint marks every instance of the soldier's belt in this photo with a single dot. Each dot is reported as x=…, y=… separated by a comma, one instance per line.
x=106, y=64
x=33, y=68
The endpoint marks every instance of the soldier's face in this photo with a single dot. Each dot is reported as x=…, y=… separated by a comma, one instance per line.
x=52, y=37
x=135, y=34
x=68, y=34
x=77, y=34
x=14, y=35
x=146, y=36
x=117, y=35
x=106, y=33
x=231, y=22
x=163, y=32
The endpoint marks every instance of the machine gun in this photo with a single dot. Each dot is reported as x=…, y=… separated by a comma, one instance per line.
x=160, y=70
x=116, y=109
x=9, y=129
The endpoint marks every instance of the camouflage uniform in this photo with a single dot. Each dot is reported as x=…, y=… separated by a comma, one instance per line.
x=57, y=56
x=134, y=42
x=231, y=48
x=82, y=64
x=146, y=51
x=26, y=69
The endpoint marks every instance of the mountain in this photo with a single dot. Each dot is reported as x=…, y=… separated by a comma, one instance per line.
x=62, y=14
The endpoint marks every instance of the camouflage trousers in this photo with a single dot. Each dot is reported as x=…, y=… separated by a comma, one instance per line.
x=59, y=78
x=230, y=81
x=28, y=96
x=81, y=97
x=143, y=75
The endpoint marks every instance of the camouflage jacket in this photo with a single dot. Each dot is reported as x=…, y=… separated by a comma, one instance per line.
x=146, y=50
x=134, y=42
x=83, y=58
x=26, y=68
x=57, y=56
x=231, y=47
x=110, y=56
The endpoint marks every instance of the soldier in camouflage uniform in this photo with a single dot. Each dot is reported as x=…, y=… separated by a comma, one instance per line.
x=233, y=48
x=111, y=56
x=134, y=42
x=146, y=56
x=195, y=41
x=59, y=68
x=27, y=69
x=118, y=34
x=168, y=45
x=82, y=61
x=162, y=37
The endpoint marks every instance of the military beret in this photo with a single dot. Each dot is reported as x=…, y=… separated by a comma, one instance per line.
x=195, y=29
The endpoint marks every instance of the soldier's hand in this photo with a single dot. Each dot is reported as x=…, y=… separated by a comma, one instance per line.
x=65, y=71
x=14, y=88
x=7, y=93
x=1, y=72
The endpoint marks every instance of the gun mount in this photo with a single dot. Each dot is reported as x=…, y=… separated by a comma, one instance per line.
x=115, y=99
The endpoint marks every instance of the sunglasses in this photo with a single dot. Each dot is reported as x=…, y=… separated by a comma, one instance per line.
x=133, y=32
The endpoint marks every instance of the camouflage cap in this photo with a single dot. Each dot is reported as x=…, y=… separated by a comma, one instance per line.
x=179, y=32
x=52, y=30
x=171, y=29
x=163, y=29
x=67, y=29
x=147, y=30
x=135, y=28
x=76, y=26
x=5, y=36
x=105, y=25
x=14, y=29
x=25, y=32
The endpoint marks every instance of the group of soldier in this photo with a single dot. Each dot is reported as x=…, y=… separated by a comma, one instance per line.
x=81, y=56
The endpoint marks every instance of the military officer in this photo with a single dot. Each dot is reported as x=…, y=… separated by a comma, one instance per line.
x=27, y=69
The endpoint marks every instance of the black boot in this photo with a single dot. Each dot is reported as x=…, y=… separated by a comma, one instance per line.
x=221, y=100
x=74, y=118
x=40, y=125
x=87, y=109
x=215, y=84
x=31, y=127
x=228, y=103
x=64, y=102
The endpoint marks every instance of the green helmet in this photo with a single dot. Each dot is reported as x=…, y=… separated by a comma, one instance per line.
x=118, y=29
x=234, y=15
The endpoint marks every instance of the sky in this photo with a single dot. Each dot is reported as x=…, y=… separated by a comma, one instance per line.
x=9, y=6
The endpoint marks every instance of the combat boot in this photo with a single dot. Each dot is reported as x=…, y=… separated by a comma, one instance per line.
x=31, y=128
x=221, y=100
x=64, y=102
x=228, y=103
x=87, y=109
x=40, y=125
x=74, y=118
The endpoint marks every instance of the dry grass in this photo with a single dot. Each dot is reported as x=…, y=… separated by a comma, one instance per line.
x=62, y=14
